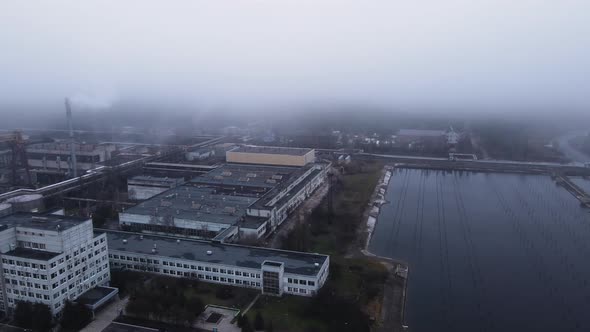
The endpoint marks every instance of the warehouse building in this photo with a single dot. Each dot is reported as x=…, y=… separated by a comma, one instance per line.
x=245, y=180
x=271, y=155
x=282, y=199
x=51, y=259
x=191, y=211
x=142, y=187
x=279, y=189
x=272, y=271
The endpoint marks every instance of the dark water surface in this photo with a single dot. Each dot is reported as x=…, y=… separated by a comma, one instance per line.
x=488, y=252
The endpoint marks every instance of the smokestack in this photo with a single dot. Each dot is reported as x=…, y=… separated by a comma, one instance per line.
x=73, y=171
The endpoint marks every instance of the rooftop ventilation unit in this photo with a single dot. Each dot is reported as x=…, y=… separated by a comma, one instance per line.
x=209, y=252
x=177, y=240
x=316, y=264
x=125, y=241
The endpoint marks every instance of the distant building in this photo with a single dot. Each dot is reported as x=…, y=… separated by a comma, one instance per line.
x=433, y=137
x=220, y=150
x=143, y=187
x=199, y=154
x=272, y=271
x=452, y=136
x=56, y=156
x=270, y=155
x=50, y=259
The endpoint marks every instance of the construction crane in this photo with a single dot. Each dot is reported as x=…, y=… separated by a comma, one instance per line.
x=17, y=144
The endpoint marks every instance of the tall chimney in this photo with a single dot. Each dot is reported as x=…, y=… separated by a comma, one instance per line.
x=74, y=170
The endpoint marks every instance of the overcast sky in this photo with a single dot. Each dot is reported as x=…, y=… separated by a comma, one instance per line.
x=469, y=54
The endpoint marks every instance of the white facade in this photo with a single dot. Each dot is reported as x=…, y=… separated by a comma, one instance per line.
x=50, y=265
x=133, y=256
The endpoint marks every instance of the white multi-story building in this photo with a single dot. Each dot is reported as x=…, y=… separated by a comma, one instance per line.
x=274, y=272
x=51, y=259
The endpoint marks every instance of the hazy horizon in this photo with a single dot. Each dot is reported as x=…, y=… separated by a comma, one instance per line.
x=478, y=57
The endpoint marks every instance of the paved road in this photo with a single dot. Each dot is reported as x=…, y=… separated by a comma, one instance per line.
x=571, y=152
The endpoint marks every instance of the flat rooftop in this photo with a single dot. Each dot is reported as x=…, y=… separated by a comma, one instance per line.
x=95, y=296
x=230, y=254
x=246, y=175
x=39, y=255
x=195, y=203
x=272, y=150
x=270, y=195
x=146, y=179
x=40, y=221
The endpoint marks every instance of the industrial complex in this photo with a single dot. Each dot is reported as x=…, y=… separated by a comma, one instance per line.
x=180, y=219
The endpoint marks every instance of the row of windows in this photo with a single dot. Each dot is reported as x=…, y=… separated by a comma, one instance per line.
x=25, y=274
x=297, y=290
x=187, y=266
x=203, y=233
x=29, y=233
x=33, y=245
x=190, y=275
x=25, y=284
x=300, y=282
x=24, y=264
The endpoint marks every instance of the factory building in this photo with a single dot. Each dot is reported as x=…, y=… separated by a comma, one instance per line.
x=142, y=187
x=279, y=189
x=56, y=156
x=283, y=198
x=51, y=259
x=273, y=272
x=270, y=155
x=191, y=211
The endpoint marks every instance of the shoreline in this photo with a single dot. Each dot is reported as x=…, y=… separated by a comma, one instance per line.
x=398, y=269
x=377, y=201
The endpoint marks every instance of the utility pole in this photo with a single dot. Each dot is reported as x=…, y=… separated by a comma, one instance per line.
x=74, y=170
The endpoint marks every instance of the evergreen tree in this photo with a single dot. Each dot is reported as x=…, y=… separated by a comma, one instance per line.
x=43, y=317
x=246, y=327
x=258, y=322
x=22, y=314
x=75, y=317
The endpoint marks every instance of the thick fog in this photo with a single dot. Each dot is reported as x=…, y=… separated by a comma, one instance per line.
x=474, y=55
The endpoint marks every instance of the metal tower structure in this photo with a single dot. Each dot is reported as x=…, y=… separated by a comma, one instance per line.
x=73, y=164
